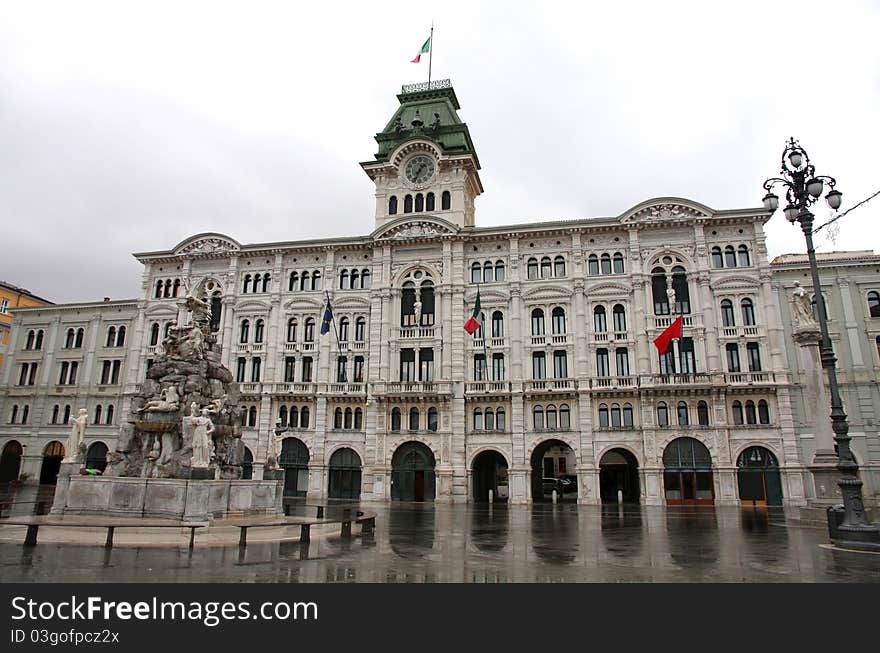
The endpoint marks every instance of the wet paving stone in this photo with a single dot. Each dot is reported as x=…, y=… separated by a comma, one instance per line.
x=478, y=544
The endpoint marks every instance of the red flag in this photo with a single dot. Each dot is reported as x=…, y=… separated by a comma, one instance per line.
x=671, y=332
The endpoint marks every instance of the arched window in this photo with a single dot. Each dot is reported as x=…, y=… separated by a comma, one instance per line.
x=737, y=412
x=476, y=273
x=343, y=280
x=662, y=414
x=618, y=263
x=343, y=329
x=763, y=412
x=413, y=419
x=606, y=263
x=727, y=317
x=600, y=324
x=360, y=329
x=408, y=204
x=392, y=205
x=717, y=258
x=593, y=265
x=39, y=343
x=546, y=267
x=176, y=287
x=488, y=272
x=550, y=417
x=244, y=332
x=109, y=414
x=559, y=267
x=682, y=292
x=80, y=334
x=111, y=336
x=619, y=315
x=395, y=419
x=537, y=322
x=429, y=202
x=252, y=416
x=813, y=301
x=304, y=281
x=538, y=418
x=497, y=324
x=702, y=413
x=258, y=331
x=478, y=419
x=420, y=202
x=14, y=417
x=751, y=414
x=246, y=285
x=445, y=200
x=743, y=254
x=874, y=303
x=658, y=291
x=628, y=415
x=499, y=270
x=603, y=416
x=294, y=281
x=748, y=312
x=282, y=416
x=167, y=292
x=500, y=419
x=159, y=285
x=365, y=278
x=55, y=410
x=557, y=320
x=532, y=268
x=615, y=415
x=358, y=419
x=154, y=334
x=99, y=413
x=69, y=340
x=348, y=418
x=355, y=279
x=729, y=257
x=304, y=417
x=66, y=417
x=490, y=419
x=309, y=330
x=256, y=365
x=291, y=330
x=266, y=279
x=316, y=280
x=683, y=417
x=31, y=337
x=120, y=337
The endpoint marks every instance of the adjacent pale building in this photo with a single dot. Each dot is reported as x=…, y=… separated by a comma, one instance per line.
x=560, y=390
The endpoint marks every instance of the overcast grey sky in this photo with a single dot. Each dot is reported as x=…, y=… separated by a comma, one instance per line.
x=129, y=126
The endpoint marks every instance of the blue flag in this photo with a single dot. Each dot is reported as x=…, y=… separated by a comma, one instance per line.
x=328, y=317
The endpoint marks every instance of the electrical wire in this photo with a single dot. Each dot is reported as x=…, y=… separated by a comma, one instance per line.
x=838, y=217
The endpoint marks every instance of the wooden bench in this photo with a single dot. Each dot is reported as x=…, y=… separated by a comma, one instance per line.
x=366, y=520
x=34, y=523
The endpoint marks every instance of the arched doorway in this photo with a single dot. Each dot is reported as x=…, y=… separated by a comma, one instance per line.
x=96, y=456
x=687, y=478
x=247, y=465
x=295, y=463
x=553, y=465
x=412, y=473
x=10, y=461
x=345, y=475
x=489, y=472
x=758, y=478
x=53, y=454
x=619, y=477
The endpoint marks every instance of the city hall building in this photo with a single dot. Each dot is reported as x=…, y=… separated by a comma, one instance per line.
x=561, y=389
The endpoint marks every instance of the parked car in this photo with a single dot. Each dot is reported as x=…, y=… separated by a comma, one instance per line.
x=569, y=482
x=550, y=484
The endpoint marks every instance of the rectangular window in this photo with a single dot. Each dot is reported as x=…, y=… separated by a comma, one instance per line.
x=622, y=356
x=602, y=365
x=32, y=376
x=256, y=365
x=686, y=356
x=307, y=369
x=479, y=367
x=426, y=365
x=667, y=362
x=239, y=370
x=560, y=365
x=358, y=369
x=289, y=369
x=498, y=367
x=733, y=357
x=22, y=378
x=539, y=365
x=4, y=306
x=114, y=377
x=407, y=364
x=754, y=354
x=341, y=364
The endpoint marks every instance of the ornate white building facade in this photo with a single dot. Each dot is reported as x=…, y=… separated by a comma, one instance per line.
x=561, y=389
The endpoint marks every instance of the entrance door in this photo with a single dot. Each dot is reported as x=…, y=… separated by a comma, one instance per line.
x=345, y=475
x=10, y=461
x=688, y=476
x=758, y=478
x=294, y=460
x=419, y=486
x=52, y=457
x=412, y=473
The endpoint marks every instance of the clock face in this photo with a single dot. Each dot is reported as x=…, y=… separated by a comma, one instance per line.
x=419, y=169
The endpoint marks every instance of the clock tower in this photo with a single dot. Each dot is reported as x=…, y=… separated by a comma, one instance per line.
x=426, y=163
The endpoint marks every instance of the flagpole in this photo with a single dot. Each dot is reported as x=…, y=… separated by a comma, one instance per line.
x=336, y=332
x=430, y=53
x=485, y=337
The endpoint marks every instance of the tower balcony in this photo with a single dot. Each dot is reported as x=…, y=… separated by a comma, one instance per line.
x=550, y=386
x=343, y=389
x=304, y=389
x=487, y=387
x=413, y=388
x=750, y=378
x=692, y=379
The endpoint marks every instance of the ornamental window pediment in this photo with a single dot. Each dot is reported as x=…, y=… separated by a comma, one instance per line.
x=207, y=244
x=665, y=210
x=415, y=229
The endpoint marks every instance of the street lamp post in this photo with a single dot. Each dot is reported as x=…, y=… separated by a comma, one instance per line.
x=802, y=188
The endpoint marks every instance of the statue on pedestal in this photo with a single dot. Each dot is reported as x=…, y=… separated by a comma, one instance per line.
x=804, y=325
x=203, y=445
x=75, y=439
x=417, y=311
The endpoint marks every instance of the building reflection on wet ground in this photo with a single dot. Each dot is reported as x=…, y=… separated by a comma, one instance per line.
x=478, y=543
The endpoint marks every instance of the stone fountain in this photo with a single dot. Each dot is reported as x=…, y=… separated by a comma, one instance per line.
x=180, y=453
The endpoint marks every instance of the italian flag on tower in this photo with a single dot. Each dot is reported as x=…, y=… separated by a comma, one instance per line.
x=473, y=322
x=426, y=47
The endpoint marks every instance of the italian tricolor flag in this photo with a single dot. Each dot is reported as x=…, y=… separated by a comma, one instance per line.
x=473, y=323
x=426, y=46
